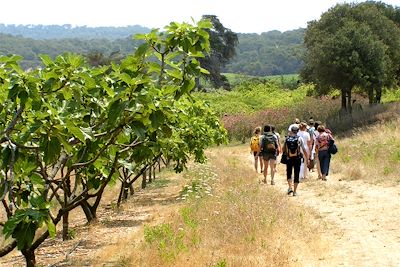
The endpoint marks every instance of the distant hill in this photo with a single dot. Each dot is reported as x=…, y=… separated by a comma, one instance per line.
x=269, y=53
x=40, y=32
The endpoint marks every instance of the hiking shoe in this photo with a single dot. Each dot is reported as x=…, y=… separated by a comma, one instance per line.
x=289, y=191
x=272, y=182
x=261, y=171
x=264, y=181
x=294, y=194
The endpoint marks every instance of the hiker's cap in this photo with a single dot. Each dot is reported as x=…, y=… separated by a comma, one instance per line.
x=294, y=128
x=310, y=121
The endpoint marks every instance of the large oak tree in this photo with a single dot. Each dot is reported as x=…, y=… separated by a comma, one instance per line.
x=352, y=45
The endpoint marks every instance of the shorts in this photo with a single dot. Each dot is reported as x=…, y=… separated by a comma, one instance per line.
x=269, y=156
x=256, y=154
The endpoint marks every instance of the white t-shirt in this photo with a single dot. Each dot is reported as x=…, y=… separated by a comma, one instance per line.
x=306, y=138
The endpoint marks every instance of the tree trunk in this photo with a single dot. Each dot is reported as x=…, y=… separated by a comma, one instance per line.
x=65, y=230
x=144, y=180
x=378, y=95
x=29, y=257
x=344, y=103
x=90, y=217
x=154, y=172
x=349, y=107
x=150, y=174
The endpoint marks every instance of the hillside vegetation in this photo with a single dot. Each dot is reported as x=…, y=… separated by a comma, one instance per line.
x=269, y=53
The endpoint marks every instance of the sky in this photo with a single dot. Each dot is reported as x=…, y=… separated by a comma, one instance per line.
x=248, y=16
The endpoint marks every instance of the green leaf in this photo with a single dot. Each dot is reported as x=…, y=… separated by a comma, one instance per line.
x=157, y=118
x=51, y=149
x=37, y=180
x=142, y=49
x=75, y=131
x=175, y=73
x=46, y=59
x=115, y=111
x=51, y=227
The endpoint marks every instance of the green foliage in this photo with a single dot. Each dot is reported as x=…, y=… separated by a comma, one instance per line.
x=269, y=53
x=347, y=48
x=252, y=96
x=391, y=96
x=222, y=48
x=68, y=118
x=23, y=225
x=221, y=263
x=168, y=243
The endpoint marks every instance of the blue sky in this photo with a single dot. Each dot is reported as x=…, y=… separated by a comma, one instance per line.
x=251, y=16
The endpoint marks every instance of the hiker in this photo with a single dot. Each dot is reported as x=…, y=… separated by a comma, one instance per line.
x=255, y=148
x=311, y=130
x=316, y=134
x=305, y=136
x=269, y=152
x=322, y=145
x=296, y=122
x=278, y=136
x=294, y=149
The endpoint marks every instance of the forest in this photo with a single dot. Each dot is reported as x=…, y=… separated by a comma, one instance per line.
x=269, y=53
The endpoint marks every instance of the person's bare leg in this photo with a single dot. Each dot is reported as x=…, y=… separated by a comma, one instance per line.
x=256, y=163
x=261, y=163
x=290, y=185
x=272, y=164
x=265, y=170
x=295, y=188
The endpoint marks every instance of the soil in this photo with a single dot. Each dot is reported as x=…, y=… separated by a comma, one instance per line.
x=362, y=223
x=362, y=220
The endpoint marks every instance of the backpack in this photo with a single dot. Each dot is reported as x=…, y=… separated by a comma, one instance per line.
x=292, y=146
x=255, y=144
x=269, y=143
x=332, y=148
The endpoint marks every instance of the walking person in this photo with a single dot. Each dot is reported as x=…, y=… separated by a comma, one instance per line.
x=269, y=152
x=323, y=154
x=316, y=134
x=255, y=149
x=305, y=136
x=278, y=137
x=311, y=130
x=294, y=148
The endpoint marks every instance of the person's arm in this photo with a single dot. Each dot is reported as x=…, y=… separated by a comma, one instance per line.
x=303, y=147
x=309, y=143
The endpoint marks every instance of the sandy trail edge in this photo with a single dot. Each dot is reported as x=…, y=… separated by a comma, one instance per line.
x=366, y=218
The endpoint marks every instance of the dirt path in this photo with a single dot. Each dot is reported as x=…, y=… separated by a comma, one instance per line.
x=362, y=220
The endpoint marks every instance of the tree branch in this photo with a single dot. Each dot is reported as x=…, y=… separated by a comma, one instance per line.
x=7, y=249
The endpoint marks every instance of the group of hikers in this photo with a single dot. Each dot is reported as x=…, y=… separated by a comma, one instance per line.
x=307, y=145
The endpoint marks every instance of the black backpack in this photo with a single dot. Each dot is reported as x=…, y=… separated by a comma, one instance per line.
x=269, y=143
x=292, y=146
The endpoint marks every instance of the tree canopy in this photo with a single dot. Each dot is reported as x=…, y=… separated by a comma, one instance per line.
x=222, y=48
x=67, y=130
x=353, y=45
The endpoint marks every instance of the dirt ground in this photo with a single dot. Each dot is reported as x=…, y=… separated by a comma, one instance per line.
x=362, y=223
x=362, y=220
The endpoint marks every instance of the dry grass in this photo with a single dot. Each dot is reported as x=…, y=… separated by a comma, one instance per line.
x=371, y=154
x=241, y=224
